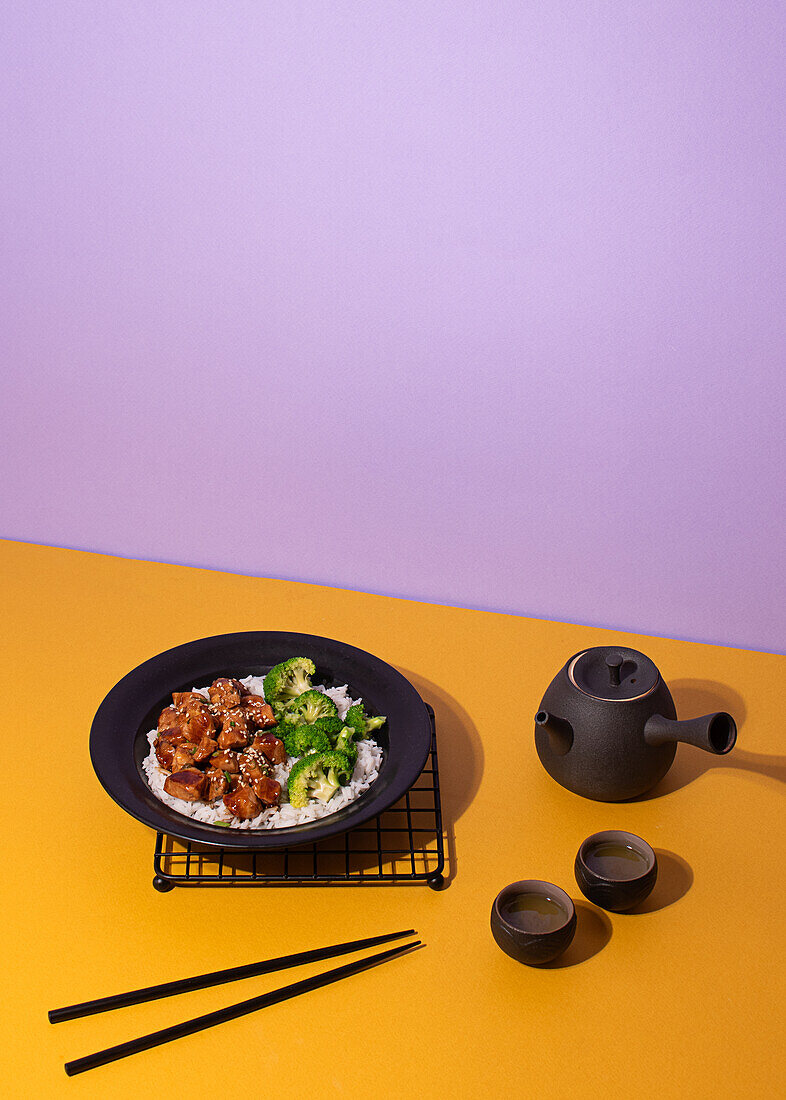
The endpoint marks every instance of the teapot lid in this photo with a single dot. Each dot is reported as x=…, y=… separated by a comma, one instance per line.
x=613, y=673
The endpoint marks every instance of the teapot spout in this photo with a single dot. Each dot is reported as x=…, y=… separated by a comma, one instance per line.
x=715, y=733
x=559, y=730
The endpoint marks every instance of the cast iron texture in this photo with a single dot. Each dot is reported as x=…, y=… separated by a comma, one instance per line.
x=532, y=947
x=616, y=895
x=608, y=760
x=118, y=741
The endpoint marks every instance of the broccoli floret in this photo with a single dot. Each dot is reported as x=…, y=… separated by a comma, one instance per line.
x=309, y=707
x=319, y=735
x=332, y=725
x=310, y=736
x=345, y=743
x=287, y=680
x=318, y=775
x=355, y=719
x=363, y=726
x=301, y=739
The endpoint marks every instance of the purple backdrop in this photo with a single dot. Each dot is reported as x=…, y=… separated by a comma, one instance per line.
x=476, y=303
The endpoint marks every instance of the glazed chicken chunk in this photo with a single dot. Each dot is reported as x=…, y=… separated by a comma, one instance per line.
x=187, y=753
x=198, y=723
x=216, y=784
x=226, y=761
x=267, y=790
x=188, y=784
x=235, y=733
x=243, y=803
x=227, y=693
x=166, y=745
x=204, y=749
x=252, y=765
x=258, y=712
x=185, y=700
x=169, y=719
x=271, y=747
x=183, y=757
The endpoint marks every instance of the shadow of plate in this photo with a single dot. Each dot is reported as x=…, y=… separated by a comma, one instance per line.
x=460, y=756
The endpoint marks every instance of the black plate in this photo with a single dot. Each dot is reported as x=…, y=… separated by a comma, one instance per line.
x=118, y=737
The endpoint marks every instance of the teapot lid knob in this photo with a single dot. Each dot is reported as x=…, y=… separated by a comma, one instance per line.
x=614, y=664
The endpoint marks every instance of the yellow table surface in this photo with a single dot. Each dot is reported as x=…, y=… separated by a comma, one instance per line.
x=685, y=999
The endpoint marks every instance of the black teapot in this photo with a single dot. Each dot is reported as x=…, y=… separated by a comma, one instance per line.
x=607, y=727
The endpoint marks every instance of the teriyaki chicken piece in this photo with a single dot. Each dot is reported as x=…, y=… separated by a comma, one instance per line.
x=258, y=712
x=271, y=747
x=187, y=784
x=243, y=803
x=235, y=733
x=216, y=784
x=226, y=693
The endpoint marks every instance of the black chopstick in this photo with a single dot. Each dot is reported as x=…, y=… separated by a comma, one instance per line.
x=232, y=1012
x=217, y=977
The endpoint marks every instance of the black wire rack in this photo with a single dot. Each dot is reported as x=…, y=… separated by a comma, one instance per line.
x=403, y=845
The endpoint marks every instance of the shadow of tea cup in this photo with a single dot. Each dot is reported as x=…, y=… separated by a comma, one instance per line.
x=533, y=921
x=615, y=870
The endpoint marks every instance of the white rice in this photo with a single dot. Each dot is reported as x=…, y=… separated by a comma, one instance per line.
x=282, y=816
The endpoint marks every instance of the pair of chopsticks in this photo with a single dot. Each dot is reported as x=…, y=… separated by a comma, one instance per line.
x=231, y=1012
